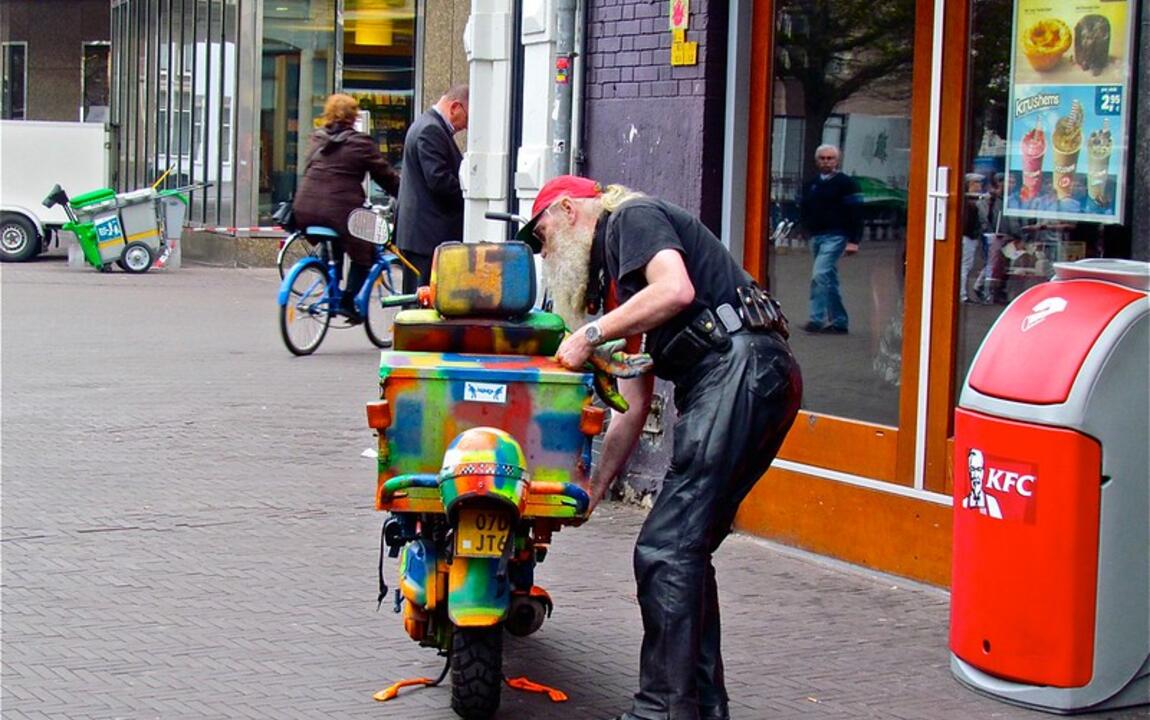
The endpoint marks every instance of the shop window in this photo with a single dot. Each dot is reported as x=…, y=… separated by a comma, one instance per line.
x=379, y=67
x=14, y=68
x=843, y=81
x=298, y=73
x=1049, y=162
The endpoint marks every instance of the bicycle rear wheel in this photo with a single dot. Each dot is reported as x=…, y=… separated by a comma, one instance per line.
x=380, y=320
x=295, y=247
x=304, y=318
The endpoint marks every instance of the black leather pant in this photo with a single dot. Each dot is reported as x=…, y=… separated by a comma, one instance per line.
x=734, y=409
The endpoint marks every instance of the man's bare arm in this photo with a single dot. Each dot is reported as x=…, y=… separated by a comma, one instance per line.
x=622, y=434
x=669, y=291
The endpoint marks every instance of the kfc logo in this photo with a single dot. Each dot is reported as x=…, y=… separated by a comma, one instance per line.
x=1002, y=489
x=1043, y=310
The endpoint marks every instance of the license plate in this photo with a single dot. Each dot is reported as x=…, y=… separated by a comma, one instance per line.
x=482, y=533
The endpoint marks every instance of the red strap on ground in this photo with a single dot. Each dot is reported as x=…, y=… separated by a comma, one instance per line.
x=390, y=692
x=522, y=683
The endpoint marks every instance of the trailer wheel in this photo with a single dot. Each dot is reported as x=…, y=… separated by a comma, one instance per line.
x=136, y=258
x=19, y=240
x=476, y=671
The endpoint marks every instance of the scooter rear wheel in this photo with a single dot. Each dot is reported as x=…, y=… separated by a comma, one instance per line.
x=476, y=671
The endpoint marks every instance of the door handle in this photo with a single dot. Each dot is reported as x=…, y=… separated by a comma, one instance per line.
x=940, y=196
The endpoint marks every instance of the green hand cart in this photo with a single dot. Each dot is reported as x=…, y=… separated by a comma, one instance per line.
x=132, y=230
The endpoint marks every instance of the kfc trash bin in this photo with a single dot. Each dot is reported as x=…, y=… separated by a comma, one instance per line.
x=1051, y=554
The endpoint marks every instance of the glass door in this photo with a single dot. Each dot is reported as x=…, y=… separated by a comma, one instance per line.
x=849, y=93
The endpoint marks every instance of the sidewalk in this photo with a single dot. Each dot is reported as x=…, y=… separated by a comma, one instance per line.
x=188, y=532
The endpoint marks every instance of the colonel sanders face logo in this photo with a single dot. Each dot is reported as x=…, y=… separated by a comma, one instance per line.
x=977, y=499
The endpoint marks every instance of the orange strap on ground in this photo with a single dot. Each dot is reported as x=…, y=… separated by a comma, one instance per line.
x=522, y=683
x=390, y=692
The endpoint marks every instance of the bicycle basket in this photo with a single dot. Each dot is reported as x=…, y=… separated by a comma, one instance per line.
x=366, y=225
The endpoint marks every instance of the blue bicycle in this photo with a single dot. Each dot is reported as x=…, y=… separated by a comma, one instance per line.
x=310, y=294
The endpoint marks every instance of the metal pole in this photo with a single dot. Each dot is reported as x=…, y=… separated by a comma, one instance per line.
x=560, y=157
x=578, y=85
x=515, y=121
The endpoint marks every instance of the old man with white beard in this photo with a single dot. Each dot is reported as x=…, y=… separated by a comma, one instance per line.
x=654, y=269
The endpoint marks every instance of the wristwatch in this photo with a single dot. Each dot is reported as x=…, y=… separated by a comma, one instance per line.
x=593, y=333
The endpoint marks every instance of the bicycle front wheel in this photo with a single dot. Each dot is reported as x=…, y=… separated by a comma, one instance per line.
x=304, y=318
x=380, y=321
x=295, y=247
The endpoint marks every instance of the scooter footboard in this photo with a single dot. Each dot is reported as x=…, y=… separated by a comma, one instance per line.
x=476, y=595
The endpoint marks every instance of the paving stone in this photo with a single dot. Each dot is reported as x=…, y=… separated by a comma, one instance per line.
x=188, y=532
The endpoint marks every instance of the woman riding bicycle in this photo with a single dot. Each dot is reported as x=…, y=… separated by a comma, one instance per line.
x=338, y=156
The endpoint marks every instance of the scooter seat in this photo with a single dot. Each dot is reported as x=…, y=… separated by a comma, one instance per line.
x=318, y=231
x=536, y=333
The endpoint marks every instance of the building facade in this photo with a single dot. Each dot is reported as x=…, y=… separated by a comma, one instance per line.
x=54, y=58
x=930, y=103
x=226, y=91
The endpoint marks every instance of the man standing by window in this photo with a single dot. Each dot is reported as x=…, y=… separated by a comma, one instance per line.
x=430, y=198
x=830, y=215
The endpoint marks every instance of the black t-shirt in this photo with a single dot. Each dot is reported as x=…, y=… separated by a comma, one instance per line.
x=638, y=230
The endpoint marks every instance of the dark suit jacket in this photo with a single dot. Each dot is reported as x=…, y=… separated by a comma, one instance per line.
x=430, y=200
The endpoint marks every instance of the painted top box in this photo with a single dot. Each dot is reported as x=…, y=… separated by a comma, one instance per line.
x=483, y=279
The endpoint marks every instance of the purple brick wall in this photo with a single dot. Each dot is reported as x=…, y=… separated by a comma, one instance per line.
x=651, y=126
x=657, y=129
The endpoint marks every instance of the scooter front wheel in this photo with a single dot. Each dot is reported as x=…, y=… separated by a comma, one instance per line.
x=476, y=671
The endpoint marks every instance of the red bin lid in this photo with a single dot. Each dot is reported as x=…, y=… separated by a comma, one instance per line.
x=1036, y=349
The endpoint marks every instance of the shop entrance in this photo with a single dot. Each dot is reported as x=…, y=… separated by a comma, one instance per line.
x=980, y=158
x=850, y=80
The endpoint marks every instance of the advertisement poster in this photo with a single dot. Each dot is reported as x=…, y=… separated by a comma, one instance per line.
x=1070, y=82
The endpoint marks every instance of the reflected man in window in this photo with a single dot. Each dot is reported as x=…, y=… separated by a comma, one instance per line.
x=830, y=215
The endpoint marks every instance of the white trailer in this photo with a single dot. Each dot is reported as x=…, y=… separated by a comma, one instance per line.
x=34, y=156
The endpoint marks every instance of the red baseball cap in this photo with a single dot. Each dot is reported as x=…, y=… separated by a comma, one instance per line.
x=553, y=190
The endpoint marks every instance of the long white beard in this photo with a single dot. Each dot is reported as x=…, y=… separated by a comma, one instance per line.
x=567, y=268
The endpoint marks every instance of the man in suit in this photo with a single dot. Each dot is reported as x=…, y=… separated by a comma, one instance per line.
x=430, y=199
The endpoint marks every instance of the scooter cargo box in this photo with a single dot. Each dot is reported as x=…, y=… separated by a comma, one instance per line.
x=435, y=396
x=485, y=279
x=537, y=333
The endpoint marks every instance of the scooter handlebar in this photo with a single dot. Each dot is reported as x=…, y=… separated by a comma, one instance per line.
x=505, y=217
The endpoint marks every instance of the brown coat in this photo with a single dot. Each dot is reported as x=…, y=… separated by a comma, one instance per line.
x=332, y=186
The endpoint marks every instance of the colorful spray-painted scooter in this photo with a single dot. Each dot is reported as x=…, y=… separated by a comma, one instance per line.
x=484, y=453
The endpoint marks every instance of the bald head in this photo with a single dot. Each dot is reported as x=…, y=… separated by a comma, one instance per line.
x=454, y=106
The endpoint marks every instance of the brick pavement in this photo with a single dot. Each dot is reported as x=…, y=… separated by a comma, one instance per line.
x=188, y=533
